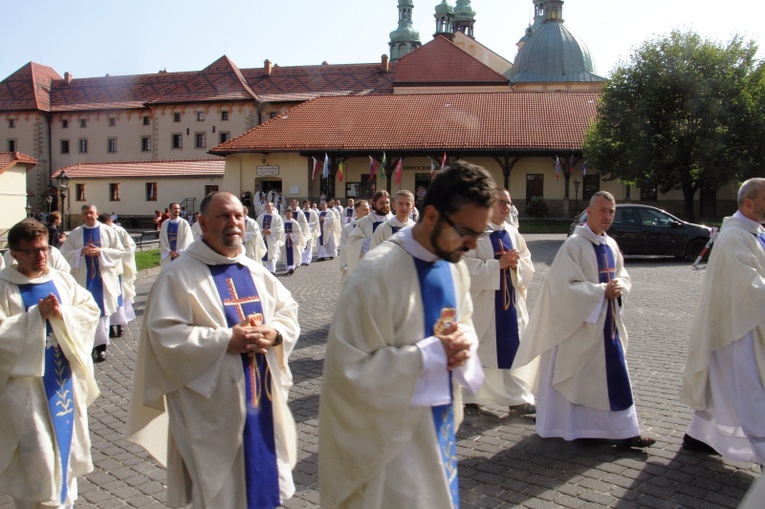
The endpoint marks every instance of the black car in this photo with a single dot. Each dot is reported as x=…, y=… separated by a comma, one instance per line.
x=647, y=230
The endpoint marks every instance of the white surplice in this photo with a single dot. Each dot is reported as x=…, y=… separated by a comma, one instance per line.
x=381, y=377
x=30, y=462
x=184, y=240
x=183, y=363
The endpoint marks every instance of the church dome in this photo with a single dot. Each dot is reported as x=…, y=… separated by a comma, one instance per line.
x=404, y=33
x=444, y=8
x=553, y=54
x=463, y=10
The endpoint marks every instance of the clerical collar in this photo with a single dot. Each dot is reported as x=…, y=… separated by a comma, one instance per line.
x=414, y=248
x=754, y=224
x=593, y=237
x=91, y=227
x=174, y=220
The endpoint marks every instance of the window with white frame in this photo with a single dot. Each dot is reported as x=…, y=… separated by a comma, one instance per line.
x=114, y=192
x=151, y=191
x=83, y=145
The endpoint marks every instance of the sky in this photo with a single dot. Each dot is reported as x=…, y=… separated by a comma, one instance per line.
x=91, y=38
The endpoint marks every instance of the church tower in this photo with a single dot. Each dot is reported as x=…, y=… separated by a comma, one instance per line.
x=444, y=19
x=464, y=18
x=539, y=18
x=405, y=38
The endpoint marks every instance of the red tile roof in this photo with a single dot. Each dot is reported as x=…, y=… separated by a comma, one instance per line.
x=9, y=159
x=306, y=82
x=526, y=121
x=440, y=62
x=220, y=81
x=114, y=92
x=152, y=169
x=29, y=88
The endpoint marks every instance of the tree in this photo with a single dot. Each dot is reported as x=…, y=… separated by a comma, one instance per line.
x=684, y=113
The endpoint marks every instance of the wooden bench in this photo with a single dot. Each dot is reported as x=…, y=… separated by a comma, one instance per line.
x=147, y=238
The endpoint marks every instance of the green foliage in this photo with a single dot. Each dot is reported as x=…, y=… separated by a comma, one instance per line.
x=147, y=259
x=537, y=207
x=684, y=113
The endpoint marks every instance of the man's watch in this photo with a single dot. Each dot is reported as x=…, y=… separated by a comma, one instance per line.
x=278, y=340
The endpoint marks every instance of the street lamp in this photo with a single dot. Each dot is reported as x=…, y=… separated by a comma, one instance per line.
x=49, y=200
x=63, y=186
x=576, y=197
x=29, y=210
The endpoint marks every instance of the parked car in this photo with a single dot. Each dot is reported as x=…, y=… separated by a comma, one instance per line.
x=647, y=230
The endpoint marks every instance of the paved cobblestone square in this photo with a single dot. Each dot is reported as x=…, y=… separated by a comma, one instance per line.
x=503, y=462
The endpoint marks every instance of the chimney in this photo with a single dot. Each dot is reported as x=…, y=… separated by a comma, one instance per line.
x=67, y=77
x=267, y=67
x=384, y=67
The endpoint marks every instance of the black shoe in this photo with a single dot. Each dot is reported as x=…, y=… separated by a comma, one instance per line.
x=120, y=331
x=112, y=332
x=472, y=409
x=638, y=442
x=99, y=354
x=693, y=444
x=290, y=272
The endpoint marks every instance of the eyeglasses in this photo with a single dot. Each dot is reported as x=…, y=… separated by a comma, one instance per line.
x=462, y=232
x=34, y=252
x=505, y=202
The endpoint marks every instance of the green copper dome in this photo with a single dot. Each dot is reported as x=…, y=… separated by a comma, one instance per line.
x=553, y=53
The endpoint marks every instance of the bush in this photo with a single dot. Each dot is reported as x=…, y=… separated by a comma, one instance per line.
x=537, y=207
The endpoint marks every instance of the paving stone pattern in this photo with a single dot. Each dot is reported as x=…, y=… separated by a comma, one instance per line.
x=503, y=462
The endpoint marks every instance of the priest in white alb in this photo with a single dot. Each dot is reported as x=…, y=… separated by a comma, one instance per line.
x=216, y=338
x=175, y=236
x=397, y=356
x=403, y=203
x=573, y=352
x=500, y=274
x=47, y=324
x=724, y=379
x=272, y=229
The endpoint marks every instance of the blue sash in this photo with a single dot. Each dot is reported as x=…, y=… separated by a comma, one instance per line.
x=240, y=300
x=761, y=238
x=619, y=389
x=375, y=224
x=172, y=236
x=437, y=293
x=505, y=313
x=321, y=227
x=288, y=243
x=266, y=226
x=394, y=229
x=57, y=381
x=94, y=283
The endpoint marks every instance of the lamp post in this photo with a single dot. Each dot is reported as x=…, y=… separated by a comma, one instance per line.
x=29, y=210
x=576, y=197
x=63, y=186
x=49, y=201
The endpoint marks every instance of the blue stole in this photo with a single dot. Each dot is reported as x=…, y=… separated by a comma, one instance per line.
x=240, y=301
x=172, y=236
x=761, y=238
x=288, y=243
x=321, y=227
x=94, y=283
x=617, y=378
x=505, y=313
x=348, y=214
x=439, y=305
x=266, y=226
x=375, y=224
x=57, y=381
x=394, y=229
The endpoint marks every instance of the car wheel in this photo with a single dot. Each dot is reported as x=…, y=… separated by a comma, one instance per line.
x=695, y=248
